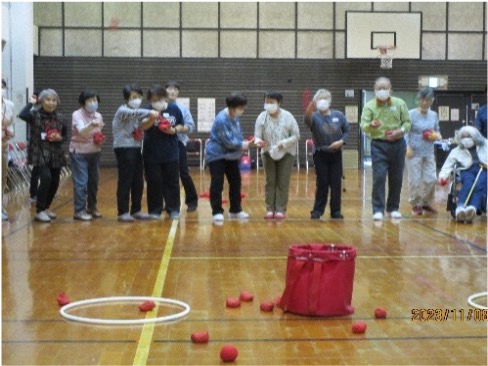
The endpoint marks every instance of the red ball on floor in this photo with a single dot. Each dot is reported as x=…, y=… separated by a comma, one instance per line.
x=246, y=296
x=359, y=327
x=228, y=353
x=267, y=306
x=380, y=313
x=200, y=337
x=233, y=302
x=147, y=306
x=63, y=299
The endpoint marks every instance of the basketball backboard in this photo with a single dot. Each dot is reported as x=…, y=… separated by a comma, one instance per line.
x=365, y=31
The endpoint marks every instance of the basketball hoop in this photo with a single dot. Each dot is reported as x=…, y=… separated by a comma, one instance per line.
x=386, y=56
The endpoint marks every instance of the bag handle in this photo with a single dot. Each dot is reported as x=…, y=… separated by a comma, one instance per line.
x=314, y=288
x=290, y=289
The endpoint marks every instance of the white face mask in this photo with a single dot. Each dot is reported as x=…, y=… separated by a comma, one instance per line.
x=271, y=108
x=135, y=103
x=4, y=93
x=323, y=104
x=467, y=142
x=382, y=94
x=91, y=107
x=160, y=105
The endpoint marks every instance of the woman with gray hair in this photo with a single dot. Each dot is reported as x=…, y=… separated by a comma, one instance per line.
x=420, y=153
x=48, y=131
x=329, y=133
x=471, y=159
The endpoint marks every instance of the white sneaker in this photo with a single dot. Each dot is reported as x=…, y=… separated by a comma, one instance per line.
x=141, y=216
x=218, y=217
x=378, y=216
x=125, y=217
x=240, y=215
x=470, y=213
x=83, y=216
x=51, y=214
x=42, y=217
x=154, y=216
x=395, y=215
x=460, y=214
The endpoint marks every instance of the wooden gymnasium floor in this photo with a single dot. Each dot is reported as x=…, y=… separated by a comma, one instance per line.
x=429, y=262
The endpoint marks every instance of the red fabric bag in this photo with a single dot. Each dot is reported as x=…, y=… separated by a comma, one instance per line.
x=319, y=280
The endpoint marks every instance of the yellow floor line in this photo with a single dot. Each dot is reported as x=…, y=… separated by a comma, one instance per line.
x=144, y=344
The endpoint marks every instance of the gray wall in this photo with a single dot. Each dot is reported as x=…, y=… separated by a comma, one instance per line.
x=215, y=78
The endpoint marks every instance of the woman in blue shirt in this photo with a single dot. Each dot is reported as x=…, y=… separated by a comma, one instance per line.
x=223, y=154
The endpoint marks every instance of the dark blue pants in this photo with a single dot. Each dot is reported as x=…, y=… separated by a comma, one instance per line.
x=328, y=167
x=191, y=195
x=130, y=183
x=163, y=184
x=388, y=160
x=230, y=169
x=479, y=193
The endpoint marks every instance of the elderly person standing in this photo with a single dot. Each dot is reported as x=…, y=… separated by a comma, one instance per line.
x=276, y=133
x=420, y=153
x=191, y=196
x=471, y=156
x=7, y=133
x=385, y=120
x=223, y=154
x=85, y=151
x=48, y=131
x=329, y=133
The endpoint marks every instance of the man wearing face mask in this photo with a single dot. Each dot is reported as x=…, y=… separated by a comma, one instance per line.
x=7, y=133
x=385, y=120
x=330, y=130
x=85, y=151
x=191, y=195
x=128, y=136
x=161, y=154
x=276, y=133
x=471, y=158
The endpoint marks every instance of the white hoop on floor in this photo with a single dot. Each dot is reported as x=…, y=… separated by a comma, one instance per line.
x=477, y=296
x=101, y=300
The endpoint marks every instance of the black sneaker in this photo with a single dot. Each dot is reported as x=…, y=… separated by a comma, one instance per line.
x=315, y=215
x=337, y=215
x=192, y=207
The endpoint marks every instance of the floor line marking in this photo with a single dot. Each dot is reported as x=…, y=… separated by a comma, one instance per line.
x=144, y=344
x=357, y=258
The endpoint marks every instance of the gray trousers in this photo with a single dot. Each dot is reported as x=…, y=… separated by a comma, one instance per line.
x=388, y=160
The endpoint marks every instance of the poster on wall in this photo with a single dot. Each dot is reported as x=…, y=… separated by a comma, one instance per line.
x=351, y=113
x=184, y=101
x=206, y=114
x=443, y=112
x=454, y=114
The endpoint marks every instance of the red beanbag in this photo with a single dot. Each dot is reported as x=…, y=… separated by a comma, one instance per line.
x=147, y=306
x=380, y=313
x=267, y=306
x=98, y=138
x=164, y=124
x=138, y=134
x=51, y=133
x=63, y=299
x=200, y=337
x=359, y=327
x=426, y=134
x=246, y=296
x=233, y=302
x=443, y=182
x=228, y=353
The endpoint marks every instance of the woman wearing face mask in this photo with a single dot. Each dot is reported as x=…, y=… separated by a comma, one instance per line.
x=223, y=154
x=128, y=136
x=329, y=133
x=161, y=154
x=470, y=156
x=85, y=150
x=7, y=133
x=420, y=153
x=48, y=131
x=276, y=133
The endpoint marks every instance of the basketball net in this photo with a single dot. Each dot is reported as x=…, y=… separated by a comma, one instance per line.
x=386, y=56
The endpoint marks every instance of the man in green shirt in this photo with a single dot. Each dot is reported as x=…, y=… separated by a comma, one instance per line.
x=385, y=120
